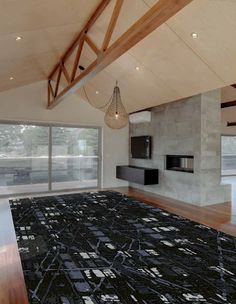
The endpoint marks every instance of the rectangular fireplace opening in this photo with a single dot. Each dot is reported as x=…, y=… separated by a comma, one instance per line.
x=183, y=163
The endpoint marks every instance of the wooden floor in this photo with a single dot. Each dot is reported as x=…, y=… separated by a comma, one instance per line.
x=221, y=217
x=12, y=287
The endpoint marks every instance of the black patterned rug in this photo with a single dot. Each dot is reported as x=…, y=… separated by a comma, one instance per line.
x=103, y=247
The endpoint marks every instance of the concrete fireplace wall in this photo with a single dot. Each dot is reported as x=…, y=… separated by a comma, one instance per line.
x=190, y=126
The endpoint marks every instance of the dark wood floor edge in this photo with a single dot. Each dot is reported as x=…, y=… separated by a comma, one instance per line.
x=165, y=199
x=205, y=215
x=15, y=288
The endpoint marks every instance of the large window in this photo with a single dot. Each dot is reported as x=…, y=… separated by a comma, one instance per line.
x=228, y=155
x=42, y=158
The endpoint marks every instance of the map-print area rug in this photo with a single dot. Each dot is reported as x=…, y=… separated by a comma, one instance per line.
x=104, y=247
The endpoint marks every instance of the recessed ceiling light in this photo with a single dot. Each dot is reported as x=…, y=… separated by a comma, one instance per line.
x=137, y=68
x=194, y=35
x=11, y=78
x=18, y=38
x=97, y=92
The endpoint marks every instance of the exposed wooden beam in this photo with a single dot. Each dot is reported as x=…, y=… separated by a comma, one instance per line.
x=112, y=24
x=77, y=58
x=156, y=16
x=50, y=92
x=58, y=81
x=228, y=104
x=92, y=45
x=50, y=87
x=91, y=20
x=64, y=70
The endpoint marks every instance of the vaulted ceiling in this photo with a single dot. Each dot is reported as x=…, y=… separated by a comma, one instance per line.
x=172, y=64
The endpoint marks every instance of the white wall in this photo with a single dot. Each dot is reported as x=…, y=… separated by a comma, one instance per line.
x=28, y=104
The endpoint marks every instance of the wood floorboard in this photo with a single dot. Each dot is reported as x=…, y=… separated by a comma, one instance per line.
x=12, y=286
x=221, y=217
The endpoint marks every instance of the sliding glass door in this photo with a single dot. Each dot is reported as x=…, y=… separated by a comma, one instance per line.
x=75, y=158
x=43, y=158
x=23, y=158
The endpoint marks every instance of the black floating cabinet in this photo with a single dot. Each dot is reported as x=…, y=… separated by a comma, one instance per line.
x=138, y=175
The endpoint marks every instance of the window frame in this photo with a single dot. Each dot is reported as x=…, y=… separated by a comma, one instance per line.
x=50, y=126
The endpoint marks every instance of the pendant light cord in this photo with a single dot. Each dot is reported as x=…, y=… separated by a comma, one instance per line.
x=89, y=101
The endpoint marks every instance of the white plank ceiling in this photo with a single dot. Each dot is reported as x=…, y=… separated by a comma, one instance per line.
x=172, y=64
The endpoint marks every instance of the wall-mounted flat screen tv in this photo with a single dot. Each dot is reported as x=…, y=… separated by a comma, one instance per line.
x=141, y=147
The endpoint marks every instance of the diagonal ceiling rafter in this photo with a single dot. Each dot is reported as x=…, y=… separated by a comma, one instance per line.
x=155, y=16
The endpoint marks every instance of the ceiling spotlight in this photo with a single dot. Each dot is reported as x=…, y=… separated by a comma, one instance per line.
x=18, y=38
x=11, y=78
x=194, y=35
x=82, y=68
x=137, y=68
x=97, y=92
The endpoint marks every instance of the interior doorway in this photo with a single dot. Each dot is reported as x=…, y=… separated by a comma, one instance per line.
x=228, y=168
x=228, y=155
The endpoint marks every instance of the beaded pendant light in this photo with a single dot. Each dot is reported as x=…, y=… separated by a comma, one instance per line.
x=116, y=116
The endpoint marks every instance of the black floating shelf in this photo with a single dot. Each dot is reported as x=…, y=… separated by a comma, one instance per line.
x=138, y=175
